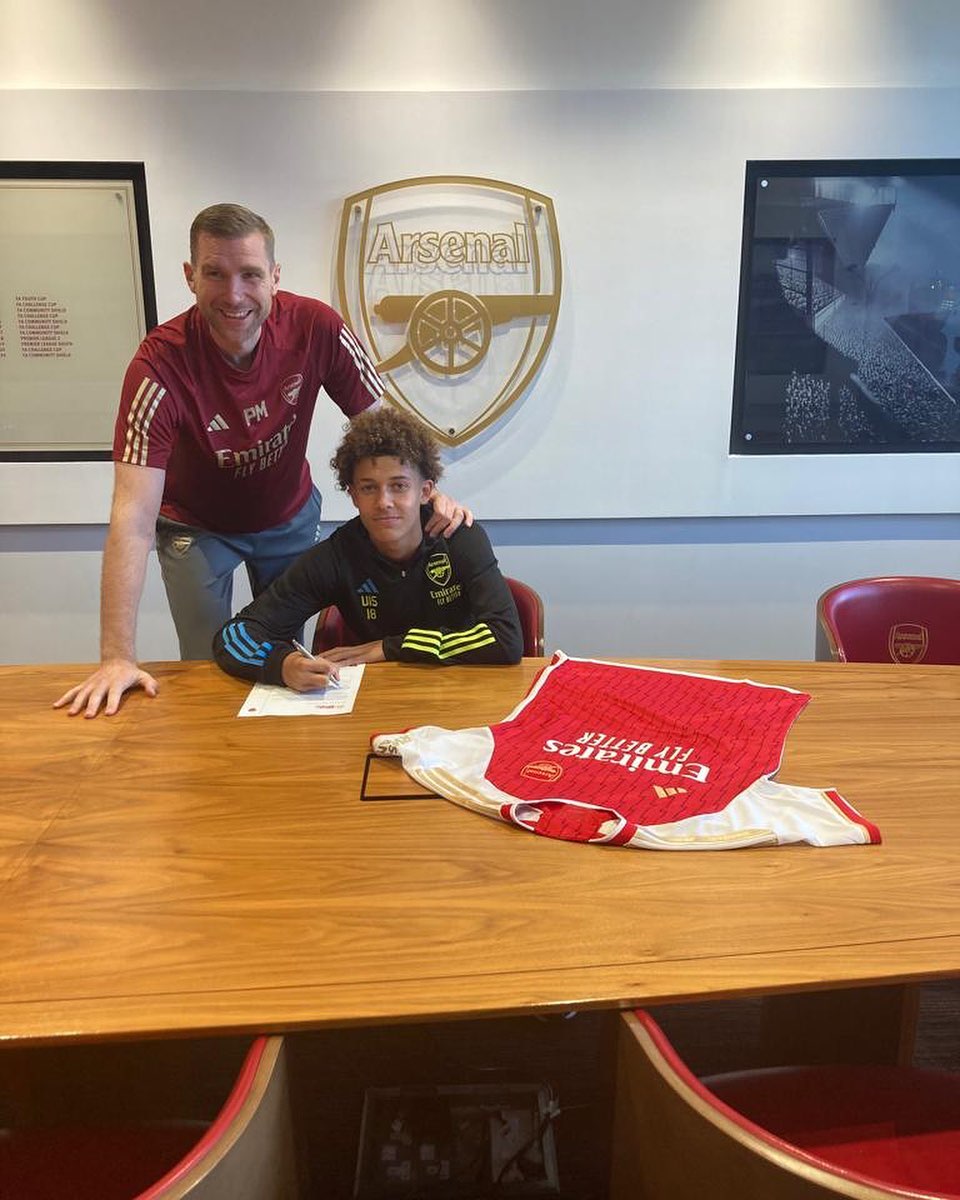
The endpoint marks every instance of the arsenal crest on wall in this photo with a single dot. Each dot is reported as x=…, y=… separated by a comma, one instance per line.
x=453, y=284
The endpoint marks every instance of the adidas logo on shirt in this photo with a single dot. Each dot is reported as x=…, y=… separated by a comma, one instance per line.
x=217, y=424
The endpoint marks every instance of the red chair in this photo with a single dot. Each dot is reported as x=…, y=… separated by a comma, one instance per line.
x=246, y=1153
x=788, y=1133
x=894, y=618
x=332, y=630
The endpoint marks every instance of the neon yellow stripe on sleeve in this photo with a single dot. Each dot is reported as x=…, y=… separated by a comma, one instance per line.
x=448, y=645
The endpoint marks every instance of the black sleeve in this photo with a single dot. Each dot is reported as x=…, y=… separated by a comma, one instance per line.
x=255, y=642
x=487, y=632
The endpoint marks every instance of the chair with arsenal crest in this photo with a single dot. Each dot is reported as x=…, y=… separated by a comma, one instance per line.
x=892, y=618
x=331, y=629
x=900, y=619
x=778, y=1133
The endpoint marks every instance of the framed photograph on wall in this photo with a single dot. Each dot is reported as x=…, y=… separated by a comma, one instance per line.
x=848, y=334
x=76, y=298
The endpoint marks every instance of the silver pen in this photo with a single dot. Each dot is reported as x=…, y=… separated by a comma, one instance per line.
x=332, y=680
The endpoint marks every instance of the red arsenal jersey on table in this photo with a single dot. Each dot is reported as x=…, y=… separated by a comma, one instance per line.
x=627, y=755
x=233, y=443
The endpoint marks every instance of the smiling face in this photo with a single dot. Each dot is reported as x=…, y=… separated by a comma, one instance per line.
x=234, y=282
x=387, y=493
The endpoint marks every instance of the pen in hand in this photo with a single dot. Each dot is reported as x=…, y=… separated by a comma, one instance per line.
x=332, y=680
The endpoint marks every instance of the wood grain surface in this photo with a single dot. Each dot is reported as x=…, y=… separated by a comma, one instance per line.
x=175, y=870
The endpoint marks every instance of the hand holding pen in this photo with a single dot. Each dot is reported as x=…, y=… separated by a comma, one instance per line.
x=305, y=672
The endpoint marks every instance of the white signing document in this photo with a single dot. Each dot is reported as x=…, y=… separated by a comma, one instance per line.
x=268, y=700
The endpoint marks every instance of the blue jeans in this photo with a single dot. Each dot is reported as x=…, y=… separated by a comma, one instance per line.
x=198, y=566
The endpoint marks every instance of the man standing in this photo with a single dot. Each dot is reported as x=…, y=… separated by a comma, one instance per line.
x=210, y=446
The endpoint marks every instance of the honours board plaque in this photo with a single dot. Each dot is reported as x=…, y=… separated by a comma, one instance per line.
x=76, y=299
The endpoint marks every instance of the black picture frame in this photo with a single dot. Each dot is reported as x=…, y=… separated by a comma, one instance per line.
x=134, y=174
x=848, y=330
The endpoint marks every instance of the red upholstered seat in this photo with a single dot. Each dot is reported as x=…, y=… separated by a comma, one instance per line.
x=332, y=630
x=892, y=618
x=790, y=1133
x=530, y=610
x=78, y=1162
x=894, y=1125
x=245, y=1153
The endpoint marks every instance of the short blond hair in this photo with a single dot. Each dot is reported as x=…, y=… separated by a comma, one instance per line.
x=229, y=221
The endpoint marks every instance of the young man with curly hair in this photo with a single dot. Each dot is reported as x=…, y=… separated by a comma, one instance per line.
x=405, y=594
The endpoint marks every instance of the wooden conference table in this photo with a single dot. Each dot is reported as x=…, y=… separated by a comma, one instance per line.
x=174, y=870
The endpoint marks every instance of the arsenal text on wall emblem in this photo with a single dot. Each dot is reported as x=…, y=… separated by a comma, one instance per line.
x=453, y=283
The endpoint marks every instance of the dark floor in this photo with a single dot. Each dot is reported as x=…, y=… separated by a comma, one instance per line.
x=728, y=1035
x=574, y=1057
x=872, y=1027
x=938, y=1028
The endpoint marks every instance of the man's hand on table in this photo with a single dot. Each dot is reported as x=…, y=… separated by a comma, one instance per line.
x=105, y=687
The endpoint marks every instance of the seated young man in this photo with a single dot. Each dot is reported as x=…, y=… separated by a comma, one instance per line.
x=404, y=594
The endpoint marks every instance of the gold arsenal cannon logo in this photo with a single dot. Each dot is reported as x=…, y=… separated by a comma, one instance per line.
x=907, y=643
x=453, y=283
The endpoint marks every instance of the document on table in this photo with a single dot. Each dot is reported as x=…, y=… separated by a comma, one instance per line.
x=267, y=700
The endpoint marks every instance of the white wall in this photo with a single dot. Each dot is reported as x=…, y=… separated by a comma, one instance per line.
x=629, y=418
x=477, y=45
x=740, y=588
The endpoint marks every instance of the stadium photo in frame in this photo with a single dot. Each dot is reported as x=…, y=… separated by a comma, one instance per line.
x=76, y=298
x=848, y=333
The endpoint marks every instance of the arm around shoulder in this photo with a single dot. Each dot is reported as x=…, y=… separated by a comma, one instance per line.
x=448, y=515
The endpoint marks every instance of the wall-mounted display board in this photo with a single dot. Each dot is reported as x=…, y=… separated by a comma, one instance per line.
x=848, y=337
x=76, y=298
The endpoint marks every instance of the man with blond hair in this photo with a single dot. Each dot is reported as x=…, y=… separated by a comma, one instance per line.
x=210, y=446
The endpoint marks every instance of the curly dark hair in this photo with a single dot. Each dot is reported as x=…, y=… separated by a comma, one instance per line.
x=229, y=221
x=389, y=433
